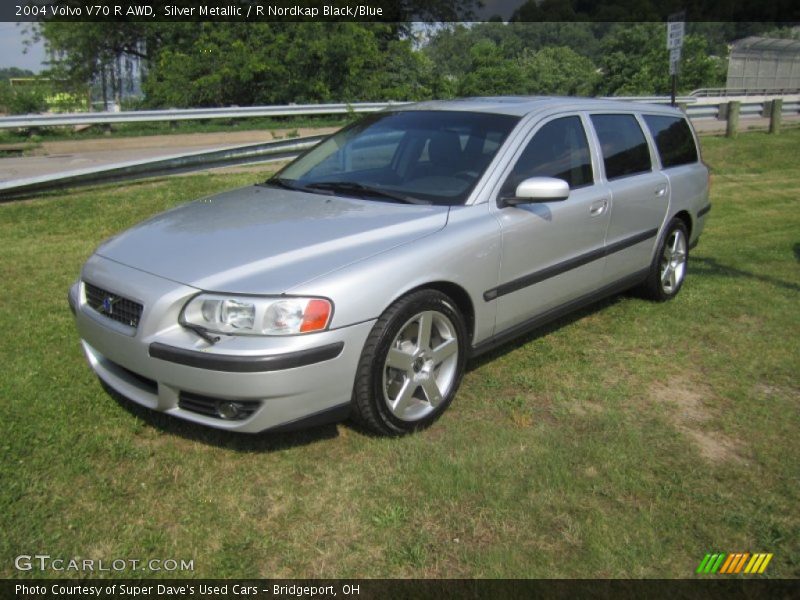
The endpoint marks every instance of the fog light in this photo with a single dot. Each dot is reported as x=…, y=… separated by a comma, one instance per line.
x=229, y=410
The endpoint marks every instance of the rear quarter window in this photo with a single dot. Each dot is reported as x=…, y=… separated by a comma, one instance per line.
x=673, y=139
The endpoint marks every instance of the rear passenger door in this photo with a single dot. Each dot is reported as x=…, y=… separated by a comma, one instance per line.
x=680, y=163
x=639, y=194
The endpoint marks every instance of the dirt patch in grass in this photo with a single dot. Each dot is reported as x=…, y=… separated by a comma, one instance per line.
x=687, y=411
x=585, y=408
x=518, y=408
x=776, y=391
x=714, y=447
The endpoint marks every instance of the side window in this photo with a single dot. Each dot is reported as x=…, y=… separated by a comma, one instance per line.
x=673, y=139
x=559, y=149
x=624, y=146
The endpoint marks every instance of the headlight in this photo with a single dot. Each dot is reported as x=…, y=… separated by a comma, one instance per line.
x=250, y=315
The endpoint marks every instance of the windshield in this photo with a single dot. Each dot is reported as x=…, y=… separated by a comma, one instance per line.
x=432, y=157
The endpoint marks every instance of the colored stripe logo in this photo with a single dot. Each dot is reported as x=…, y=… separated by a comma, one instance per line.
x=731, y=564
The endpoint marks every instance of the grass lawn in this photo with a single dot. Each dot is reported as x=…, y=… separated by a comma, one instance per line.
x=626, y=441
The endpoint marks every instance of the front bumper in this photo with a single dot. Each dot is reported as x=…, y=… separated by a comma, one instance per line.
x=159, y=364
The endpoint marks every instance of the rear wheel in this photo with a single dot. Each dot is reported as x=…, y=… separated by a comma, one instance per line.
x=669, y=265
x=411, y=365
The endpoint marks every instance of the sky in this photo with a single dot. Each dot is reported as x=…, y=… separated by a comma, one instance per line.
x=12, y=36
x=11, y=49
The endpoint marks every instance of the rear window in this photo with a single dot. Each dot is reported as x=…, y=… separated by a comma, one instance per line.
x=673, y=139
x=624, y=146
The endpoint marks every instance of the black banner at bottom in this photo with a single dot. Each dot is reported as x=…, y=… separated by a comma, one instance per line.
x=368, y=589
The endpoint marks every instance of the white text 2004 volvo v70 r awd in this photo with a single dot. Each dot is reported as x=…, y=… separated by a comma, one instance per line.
x=360, y=278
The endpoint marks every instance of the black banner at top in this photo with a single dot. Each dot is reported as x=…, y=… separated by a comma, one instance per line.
x=394, y=11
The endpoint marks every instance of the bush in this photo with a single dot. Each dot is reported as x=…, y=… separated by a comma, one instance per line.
x=20, y=101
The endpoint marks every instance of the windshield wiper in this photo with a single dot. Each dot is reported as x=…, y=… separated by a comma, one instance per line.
x=287, y=184
x=353, y=187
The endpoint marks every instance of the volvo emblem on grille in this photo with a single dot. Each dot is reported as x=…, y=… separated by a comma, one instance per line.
x=108, y=304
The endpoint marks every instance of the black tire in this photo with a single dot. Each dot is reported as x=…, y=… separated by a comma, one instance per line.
x=657, y=286
x=424, y=369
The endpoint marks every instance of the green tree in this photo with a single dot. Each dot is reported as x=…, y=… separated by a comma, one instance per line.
x=217, y=63
x=406, y=75
x=561, y=71
x=449, y=47
x=581, y=37
x=12, y=72
x=491, y=73
x=83, y=51
x=513, y=61
x=635, y=61
x=276, y=63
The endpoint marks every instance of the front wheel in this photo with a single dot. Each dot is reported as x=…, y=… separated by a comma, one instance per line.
x=668, y=269
x=411, y=365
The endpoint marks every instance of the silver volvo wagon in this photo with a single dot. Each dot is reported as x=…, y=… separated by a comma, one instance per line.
x=360, y=279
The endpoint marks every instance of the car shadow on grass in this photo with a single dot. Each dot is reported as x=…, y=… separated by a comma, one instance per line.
x=273, y=441
x=710, y=266
x=546, y=329
x=239, y=442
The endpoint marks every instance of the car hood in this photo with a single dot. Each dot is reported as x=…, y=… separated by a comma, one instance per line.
x=267, y=240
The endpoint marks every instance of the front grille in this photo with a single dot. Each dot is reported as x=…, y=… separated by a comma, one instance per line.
x=210, y=407
x=113, y=305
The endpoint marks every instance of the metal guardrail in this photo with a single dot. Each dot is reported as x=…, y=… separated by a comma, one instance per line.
x=696, y=109
x=653, y=99
x=754, y=109
x=725, y=92
x=179, y=163
x=232, y=112
x=183, y=114
x=238, y=112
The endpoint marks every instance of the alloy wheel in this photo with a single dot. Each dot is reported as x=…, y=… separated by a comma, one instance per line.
x=673, y=262
x=420, y=366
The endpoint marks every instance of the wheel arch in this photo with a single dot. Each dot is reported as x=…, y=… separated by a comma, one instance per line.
x=684, y=216
x=372, y=404
x=457, y=294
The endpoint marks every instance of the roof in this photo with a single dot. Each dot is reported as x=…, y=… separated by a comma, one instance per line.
x=520, y=106
x=760, y=44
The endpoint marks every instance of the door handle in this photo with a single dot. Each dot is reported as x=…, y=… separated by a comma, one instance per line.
x=661, y=190
x=598, y=208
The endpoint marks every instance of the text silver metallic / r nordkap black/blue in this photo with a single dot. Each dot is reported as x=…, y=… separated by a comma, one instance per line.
x=360, y=279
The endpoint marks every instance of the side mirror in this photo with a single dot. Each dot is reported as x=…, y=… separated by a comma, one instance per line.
x=538, y=189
